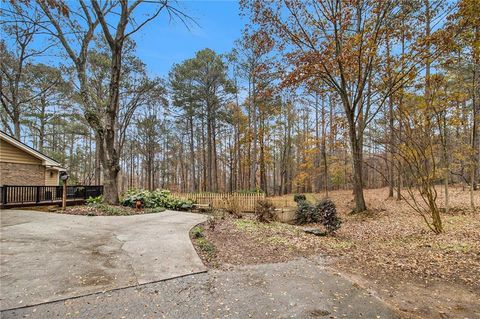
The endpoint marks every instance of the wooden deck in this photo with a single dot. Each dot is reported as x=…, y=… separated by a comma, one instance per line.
x=21, y=196
x=70, y=202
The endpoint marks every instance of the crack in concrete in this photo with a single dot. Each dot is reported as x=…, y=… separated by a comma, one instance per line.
x=130, y=258
x=99, y=292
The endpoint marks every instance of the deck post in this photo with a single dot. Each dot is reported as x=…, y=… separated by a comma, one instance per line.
x=64, y=195
x=4, y=195
x=64, y=177
x=37, y=195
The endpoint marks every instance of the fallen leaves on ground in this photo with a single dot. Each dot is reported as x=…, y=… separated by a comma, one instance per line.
x=389, y=244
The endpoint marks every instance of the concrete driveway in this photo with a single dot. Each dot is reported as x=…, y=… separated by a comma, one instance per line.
x=47, y=257
x=296, y=289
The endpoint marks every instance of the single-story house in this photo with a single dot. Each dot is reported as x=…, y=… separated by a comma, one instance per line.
x=22, y=165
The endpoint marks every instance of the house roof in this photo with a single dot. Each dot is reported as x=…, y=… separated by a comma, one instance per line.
x=47, y=161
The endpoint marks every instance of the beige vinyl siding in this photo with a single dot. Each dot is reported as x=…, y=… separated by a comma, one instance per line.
x=12, y=154
x=51, y=177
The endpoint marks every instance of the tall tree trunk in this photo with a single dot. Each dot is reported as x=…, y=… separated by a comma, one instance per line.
x=232, y=163
x=148, y=170
x=253, y=163
x=98, y=167
x=192, y=156
x=324, y=148
x=239, y=158
x=204, y=158
x=214, y=157
x=400, y=109
x=446, y=159
x=356, y=143
x=391, y=175
x=41, y=129
x=209, y=151
x=357, y=155
x=274, y=181
x=16, y=126
x=427, y=60
x=318, y=153
x=476, y=113
x=263, y=173
x=110, y=172
x=289, y=168
x=108, y=149
x=131, y=185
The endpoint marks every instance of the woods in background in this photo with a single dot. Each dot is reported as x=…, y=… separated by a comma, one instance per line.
x=316, y=95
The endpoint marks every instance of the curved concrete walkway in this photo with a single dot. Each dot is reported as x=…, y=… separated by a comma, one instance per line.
x=47, y=257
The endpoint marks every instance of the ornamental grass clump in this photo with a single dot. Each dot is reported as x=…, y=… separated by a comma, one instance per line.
x=265, y=211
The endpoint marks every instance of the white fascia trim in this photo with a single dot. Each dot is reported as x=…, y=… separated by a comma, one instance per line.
x=45, y=160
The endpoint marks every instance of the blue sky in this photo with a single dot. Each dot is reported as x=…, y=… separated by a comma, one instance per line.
x=162, y=43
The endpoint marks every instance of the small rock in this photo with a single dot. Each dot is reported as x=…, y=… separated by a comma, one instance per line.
x=315, y=231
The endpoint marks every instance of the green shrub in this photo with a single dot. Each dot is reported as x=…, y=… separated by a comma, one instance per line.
x=323, y=212
x=131, y=196
x=197, y=232
x=299, y=197
x=305, y=213
x=205, y=245
x=327, y=214
x=155, y=199
x=94, y=200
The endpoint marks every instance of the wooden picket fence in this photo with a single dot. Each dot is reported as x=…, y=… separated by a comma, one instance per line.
x=282, y=201
x=241, y=202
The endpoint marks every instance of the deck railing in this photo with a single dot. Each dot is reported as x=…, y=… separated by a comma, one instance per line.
x=11, y=195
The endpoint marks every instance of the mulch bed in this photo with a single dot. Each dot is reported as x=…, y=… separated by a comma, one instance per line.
x=246, y=241
x=103, y=210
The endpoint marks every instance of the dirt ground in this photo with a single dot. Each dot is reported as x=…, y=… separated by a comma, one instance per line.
x=389, y=250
